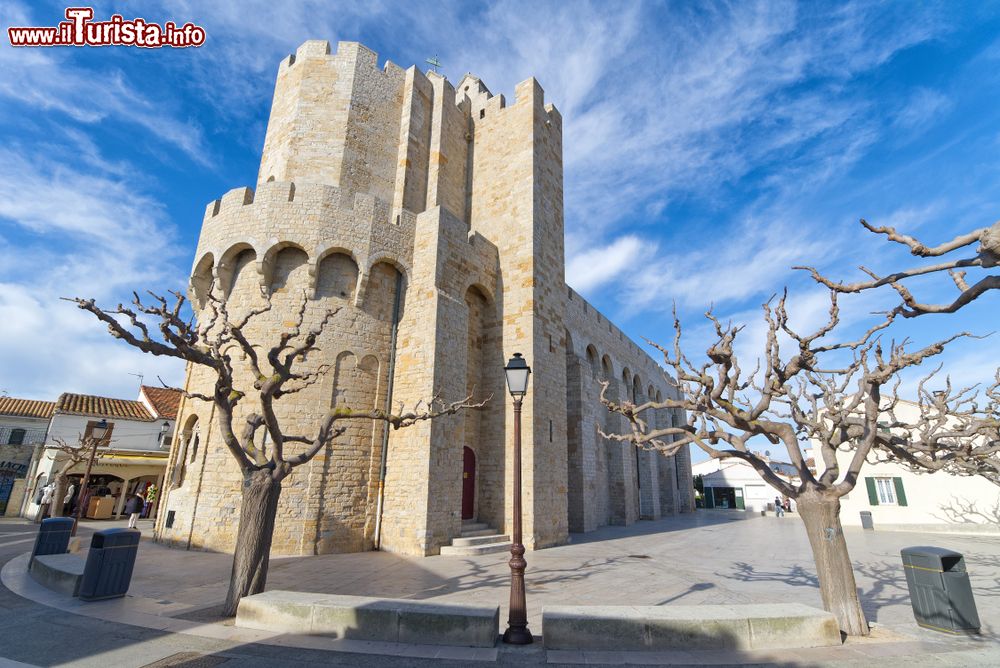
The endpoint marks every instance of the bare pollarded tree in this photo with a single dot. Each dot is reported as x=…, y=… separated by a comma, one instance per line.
x=67, y=457
x=942, y=449
x=221, y=343
x=789, y=398
x=956, y=430
x=986, y=257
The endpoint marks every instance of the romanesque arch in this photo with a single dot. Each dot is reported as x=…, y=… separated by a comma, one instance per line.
x=348, y=466
x=202, y=280
x=336, y=277
x=592, y=361
x=483, y=430
x=286, y=269
x=380, y=291
x=574, y=441
x=237, y=269
x=190, y=441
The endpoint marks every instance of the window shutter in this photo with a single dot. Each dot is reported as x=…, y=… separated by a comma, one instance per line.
x=900, y=495
x=872, y=493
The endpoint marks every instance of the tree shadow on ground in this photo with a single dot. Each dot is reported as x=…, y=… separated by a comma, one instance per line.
x=479, y=577
x=888, y=581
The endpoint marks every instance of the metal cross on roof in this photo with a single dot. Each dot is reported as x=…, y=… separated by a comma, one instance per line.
x=434, y=63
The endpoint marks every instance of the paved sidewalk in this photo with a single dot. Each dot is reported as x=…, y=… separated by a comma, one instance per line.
x=709, y=557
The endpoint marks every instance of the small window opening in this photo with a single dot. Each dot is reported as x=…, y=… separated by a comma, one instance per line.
x=482, y=113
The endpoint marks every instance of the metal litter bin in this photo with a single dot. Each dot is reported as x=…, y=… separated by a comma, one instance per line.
x=53, y=536
x=940, y=591
x=108, y=571
x=866, y=520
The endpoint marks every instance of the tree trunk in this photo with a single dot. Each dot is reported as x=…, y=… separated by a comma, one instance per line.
x=253, y=538
x=821, y=515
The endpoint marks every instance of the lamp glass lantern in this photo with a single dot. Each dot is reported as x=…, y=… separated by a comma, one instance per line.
x=99, y=431
x=517, y=372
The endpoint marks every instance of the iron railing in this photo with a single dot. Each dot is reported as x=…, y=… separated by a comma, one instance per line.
x=21, y=436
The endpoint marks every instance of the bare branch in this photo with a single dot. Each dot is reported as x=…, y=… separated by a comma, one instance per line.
x=987, y=256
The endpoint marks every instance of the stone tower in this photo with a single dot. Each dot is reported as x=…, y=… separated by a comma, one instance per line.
x=431, y=217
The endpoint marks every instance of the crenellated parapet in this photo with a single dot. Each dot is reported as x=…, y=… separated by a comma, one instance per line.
x=316, y=218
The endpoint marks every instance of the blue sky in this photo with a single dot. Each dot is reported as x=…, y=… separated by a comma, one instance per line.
x=708, y=148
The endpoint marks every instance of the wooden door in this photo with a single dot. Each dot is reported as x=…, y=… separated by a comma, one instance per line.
x=468, y=483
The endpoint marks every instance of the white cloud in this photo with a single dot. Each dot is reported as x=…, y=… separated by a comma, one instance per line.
x=923, y=108
x=47, y=80
x=78, y=234
x=592, y=268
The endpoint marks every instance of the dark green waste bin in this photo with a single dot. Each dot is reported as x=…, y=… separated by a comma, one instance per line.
x=108, y=571
x=940, y=591
x=53, y=536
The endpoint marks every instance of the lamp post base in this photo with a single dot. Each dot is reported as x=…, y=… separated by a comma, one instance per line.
x=517, y=635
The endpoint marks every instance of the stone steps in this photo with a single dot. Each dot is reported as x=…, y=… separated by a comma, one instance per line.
x=479, y=532
x=492, y=537
x=472, y=550
x=476, y=538
x=470, y=525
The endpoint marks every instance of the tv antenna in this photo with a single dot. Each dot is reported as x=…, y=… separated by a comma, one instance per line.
x=139, y=376
x=434, y=63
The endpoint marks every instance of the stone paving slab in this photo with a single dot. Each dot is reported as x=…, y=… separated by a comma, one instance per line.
x=704, y=558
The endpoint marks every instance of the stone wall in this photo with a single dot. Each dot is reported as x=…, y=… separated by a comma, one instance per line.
x=618, y=484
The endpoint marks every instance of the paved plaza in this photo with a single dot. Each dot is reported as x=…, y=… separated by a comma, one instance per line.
x=710, y=557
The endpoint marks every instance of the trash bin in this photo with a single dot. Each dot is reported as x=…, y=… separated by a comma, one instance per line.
x=110, y=561
x=940, y=591
x=53, y=536
x=866, y=520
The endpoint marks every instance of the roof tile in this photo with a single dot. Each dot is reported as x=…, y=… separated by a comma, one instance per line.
x=86, y=404
x=165, y=400
x=26, y=407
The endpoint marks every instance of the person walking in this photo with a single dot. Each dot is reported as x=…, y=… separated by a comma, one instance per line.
x=133, y=507
x=779, y=511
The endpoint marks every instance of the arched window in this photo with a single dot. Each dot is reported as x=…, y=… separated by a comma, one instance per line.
x=188, y=442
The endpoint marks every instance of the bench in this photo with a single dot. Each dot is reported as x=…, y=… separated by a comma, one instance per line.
x=58, y=572
x=363, y=618
x=684, y=627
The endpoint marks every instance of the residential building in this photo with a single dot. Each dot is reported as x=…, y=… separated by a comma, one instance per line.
x=901, y=499
x=23, y=426
x=131, y=456
x=734, y=484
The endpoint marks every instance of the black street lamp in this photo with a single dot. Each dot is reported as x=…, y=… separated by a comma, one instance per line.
x=97, y=434
x=517, y=633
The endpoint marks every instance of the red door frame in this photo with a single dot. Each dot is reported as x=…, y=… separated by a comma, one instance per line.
x=468, y=483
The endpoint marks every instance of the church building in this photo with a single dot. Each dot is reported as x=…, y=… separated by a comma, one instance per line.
x=430, y=216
